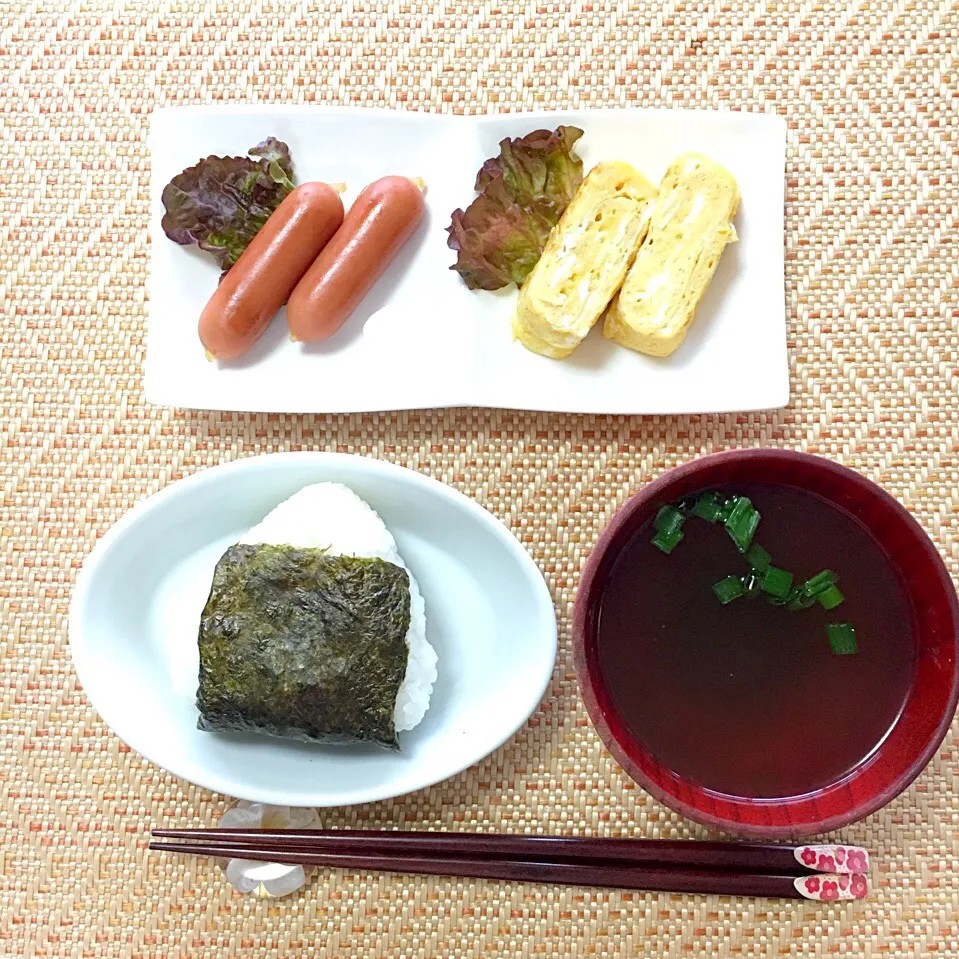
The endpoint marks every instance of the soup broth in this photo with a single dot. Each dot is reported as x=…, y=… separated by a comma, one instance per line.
x=748, y=699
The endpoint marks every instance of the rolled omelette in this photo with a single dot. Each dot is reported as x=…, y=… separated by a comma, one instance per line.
x=690, y=225
x=585, y=259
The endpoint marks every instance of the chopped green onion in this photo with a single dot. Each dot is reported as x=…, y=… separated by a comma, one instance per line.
x=842, y=639
x=758, y=558
x=668, y=520
x=778, y=600
x=751, y=584
x=798, y=599
x=741, y=522
x=667, y=540
x=728, y=589
x=821, y=581
x=777, y=582
x=708, y=507
x=830, y=597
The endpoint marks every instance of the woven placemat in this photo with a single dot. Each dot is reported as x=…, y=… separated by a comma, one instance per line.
x=871, y=95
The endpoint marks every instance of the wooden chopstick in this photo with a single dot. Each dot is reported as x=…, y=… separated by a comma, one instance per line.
x=740, y=869
x=730, y=856
x=648, y=878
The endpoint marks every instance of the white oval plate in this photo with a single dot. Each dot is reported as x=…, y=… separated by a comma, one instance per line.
x=137, y=603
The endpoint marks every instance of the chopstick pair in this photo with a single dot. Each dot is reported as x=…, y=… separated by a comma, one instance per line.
x=819, y=872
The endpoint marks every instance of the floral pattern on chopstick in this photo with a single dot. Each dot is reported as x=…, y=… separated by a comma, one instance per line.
x=829, y=858
x=832, y=887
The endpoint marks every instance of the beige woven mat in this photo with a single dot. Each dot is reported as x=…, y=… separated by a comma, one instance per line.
x=871, y=95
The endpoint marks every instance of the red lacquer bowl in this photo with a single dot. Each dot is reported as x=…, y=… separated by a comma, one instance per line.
x=930, y=705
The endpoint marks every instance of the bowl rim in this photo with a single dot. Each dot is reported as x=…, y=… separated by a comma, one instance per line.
x=581, y=609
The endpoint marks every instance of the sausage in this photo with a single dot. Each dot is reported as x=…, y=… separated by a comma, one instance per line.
x=383, y=217
x=267, y=271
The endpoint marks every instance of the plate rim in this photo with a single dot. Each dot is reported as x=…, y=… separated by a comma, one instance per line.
x=82, y=591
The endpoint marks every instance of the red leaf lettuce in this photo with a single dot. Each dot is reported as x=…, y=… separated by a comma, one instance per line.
x=221, y=203
x=523, y=192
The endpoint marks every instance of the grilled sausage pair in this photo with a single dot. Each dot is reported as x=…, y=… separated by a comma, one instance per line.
x=310, y=257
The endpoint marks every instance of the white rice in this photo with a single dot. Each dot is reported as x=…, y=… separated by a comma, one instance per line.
x=331, y=516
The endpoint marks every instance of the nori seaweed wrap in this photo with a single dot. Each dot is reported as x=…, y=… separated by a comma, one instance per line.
x=299, y=644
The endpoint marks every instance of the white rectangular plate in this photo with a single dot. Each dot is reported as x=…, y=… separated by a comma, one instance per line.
x=421, y=338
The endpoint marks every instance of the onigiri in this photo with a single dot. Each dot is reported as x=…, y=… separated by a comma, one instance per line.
x=332, y=517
